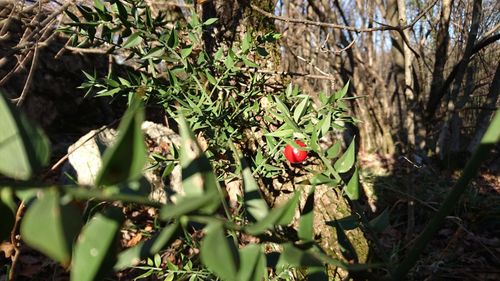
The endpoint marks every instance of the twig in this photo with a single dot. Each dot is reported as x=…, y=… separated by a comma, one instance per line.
x=5, y=27
x=19, y=101
x=13, y=240
x=383, y=27
x=65, y=157
x=290, y=73
x=86, y=50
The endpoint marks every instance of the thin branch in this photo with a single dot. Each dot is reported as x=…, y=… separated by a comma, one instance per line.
x=19, y=101
x=383, y=27
x=290, y=73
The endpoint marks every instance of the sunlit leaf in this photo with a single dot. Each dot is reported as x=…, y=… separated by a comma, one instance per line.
x=210, y=21
x=255, y=205
x=346, y=161
x=95, y=249
x=334, y=150
x=133, y=40
x=352, y=188
x=219, y=253
x=301, y=109
x=340, y=94
x=281, y=215
x=306, y=221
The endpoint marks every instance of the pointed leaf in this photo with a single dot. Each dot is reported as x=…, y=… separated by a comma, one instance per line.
x=306, y=222
x=345, y=163
x=352, y=188
x=333, y=151
x=281, y=133
x=187, y=205
x=210, y=21
x=24, y=148
x=95, y=249
x=301, y=109
x=133, y=40
x=197, y=174
x=218, y=253
x=125, y=159
x=255, y=205
x=50, y=227
x=281, y=215
x=340, y=94
x=253, y=263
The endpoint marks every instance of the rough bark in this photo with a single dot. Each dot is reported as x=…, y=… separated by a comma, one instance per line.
x=450, y=133
x=441, y=56
x=486, y=113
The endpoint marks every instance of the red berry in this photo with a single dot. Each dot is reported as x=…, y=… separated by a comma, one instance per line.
x=295, y=155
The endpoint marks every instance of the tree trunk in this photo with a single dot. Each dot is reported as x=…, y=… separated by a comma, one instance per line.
x=485, y=115
x=450, y=134
x=441, y=55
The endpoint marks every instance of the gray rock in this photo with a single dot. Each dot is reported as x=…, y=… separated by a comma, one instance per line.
x=85, y=159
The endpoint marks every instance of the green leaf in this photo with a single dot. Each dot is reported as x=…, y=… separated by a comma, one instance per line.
x=24, y=148
x=95, y=249
x=99, y=5
x=50, y=227
x=340, y=94
x=186, y=51
x=345, y=163
x=249, y=63
x=352, y=188
x=293, y=256
x=301, y=109
x=322, y=178
x=254, y=204
x=125, y=159
x=218, y=253
x=253, y=264
x=326, y=124
x=281, y=215
x=306, y=221
x=381, y=222
x=197, y=175
x=281, y=133
x=133, y=40
x=333, y=151
x=246, y=42
x=210, y=21
x=132, y=256
x=173, y=39
x=190, y=204
x=155, y=52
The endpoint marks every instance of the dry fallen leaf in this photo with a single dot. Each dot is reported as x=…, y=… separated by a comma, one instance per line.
x=7, y=248
x=135, y=240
